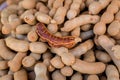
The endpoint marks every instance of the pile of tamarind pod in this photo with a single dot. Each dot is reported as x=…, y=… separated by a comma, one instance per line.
x=59, y=39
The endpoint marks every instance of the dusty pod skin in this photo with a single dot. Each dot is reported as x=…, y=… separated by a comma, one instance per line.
x=102, y=56
x=28, y=4
x=57, y=62
x=113, y=29
x=117, y=36
x=14, y=20
x=57, y=75
x=77, y=76
x=30, y=19
x=21, y=45
x=3, y=65
x=117, y=16
x=32, y=35
x=116, y=50
x=63, y=53
x=113, y=40
x=47, y=56
x=96, y=6
x=20, y=75
x=82, y=48
x=76, y=32
x=10, y=72
x=112, y=72
x=86, y=35
x=58, y=34
x=67, y=4
x=6, y=29
x=5, y=52
x=27, y=12
x=59, y=16
x=23, y=29
x=86, y=27
x=74, y=9
x=80, y=20
x=51, y=68
x=35, y=55
x=106, y=18
x=55, y=6
x=89, y=56
x=16, y=62
x=93, y=77
x=12, y=9
x=53, y=28
x=88, y=67
x=99, y=28
x=114, y=6
x=66, y=71
x=82, y=7
x=103, y=39
x=38, y=47
x=40, y=71
x=50, y=4
x=7, y=77
x=42, y=17
x=108, y=15
x=42, y=8
x=28, y=61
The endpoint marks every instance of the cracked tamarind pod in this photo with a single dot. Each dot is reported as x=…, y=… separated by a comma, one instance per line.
x=56, y=41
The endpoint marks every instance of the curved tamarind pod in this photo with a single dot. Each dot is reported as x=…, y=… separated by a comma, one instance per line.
x=54, y=41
